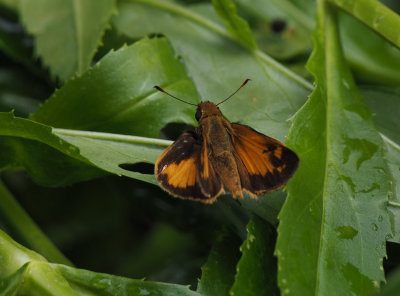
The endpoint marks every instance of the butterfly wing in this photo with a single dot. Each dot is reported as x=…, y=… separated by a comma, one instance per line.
x=264, y=163
x=184, y=170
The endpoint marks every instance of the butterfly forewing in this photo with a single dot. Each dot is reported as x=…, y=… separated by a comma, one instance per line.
x=268, y=162
x=183, y=171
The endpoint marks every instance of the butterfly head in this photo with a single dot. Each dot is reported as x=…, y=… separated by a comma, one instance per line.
x=205, y=109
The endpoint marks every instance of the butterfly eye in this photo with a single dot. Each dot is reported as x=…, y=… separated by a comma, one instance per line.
x=198, y=114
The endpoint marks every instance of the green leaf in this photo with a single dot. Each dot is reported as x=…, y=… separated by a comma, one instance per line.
x=266, y=207
x=219, y=271
x=372, y=58
x=110, y=285
x=9, y=285
x=42, y=279
x=117, y=94
x=47, y=158
x=226, y=10
x=80, y=23
x=110, y=151
x=334, y=224
x=218, y=64
x=13, y=255
x=393, y=158
x=374, y=14
x=58, y=157
x=256, y=270
x=385, y=103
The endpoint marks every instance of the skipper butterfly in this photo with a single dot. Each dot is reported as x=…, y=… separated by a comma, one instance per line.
x=199, y=165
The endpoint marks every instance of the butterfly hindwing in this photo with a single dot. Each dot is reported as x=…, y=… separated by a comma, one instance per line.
x=268, y=163
x=184, y=170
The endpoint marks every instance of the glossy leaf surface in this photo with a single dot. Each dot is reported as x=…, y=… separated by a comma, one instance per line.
x=122, y=99
x=384, y=103
x=337, y=199
x=226, y=10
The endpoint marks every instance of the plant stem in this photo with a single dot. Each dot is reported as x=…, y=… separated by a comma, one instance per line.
x=390, y=142
x=14, y=217
x=111, y=137
x=184, y=12
x=276, y=65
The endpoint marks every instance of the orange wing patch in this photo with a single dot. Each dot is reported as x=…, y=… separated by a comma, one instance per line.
x=181, y=175
x=278, y=152
x=251, y=153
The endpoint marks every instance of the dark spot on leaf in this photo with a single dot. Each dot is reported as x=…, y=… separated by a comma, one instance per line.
x=181, y=59
x=278, y=26
x=139, y=167
x=155, y=35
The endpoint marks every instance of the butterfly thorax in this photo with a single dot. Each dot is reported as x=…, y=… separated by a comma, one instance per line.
x=214, y=128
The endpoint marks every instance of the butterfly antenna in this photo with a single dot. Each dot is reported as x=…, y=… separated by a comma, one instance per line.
x=161, y=90
x=243, y=84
